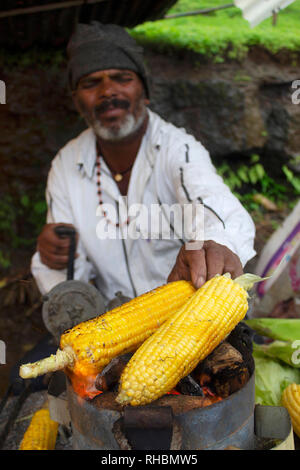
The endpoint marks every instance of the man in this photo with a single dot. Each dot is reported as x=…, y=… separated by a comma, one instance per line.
x=130, y=151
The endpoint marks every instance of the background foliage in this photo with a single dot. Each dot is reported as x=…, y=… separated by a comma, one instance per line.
x=221, y=34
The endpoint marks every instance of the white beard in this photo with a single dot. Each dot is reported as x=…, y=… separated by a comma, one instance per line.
x=129, y=126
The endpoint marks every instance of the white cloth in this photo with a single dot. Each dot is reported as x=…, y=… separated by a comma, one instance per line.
x=256, y=11
x=171, y=167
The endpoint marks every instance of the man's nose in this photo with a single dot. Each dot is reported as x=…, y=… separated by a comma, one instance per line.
x=107, y=89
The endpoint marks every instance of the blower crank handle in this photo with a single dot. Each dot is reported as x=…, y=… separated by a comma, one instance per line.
x=63, y=231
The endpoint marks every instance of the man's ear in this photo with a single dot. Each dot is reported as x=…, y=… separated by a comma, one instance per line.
x=147, y=101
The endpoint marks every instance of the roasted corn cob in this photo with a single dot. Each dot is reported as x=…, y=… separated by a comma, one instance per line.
x=185, y=339
x=291, y=401
x=88, y=347
x=41, y=433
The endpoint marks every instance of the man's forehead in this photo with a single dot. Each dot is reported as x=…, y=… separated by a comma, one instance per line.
x=108, y=72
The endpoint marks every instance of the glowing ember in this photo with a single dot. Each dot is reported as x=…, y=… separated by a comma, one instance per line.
x=207, y=391
x=173, y=392
x=84, y=386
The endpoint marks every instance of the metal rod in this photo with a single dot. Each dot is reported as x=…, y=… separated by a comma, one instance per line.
x=64, y=231
x=72, y=249
x=198, y=12
x=52, y=6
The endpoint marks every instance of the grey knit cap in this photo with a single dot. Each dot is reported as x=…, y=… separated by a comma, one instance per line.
x=98, y=46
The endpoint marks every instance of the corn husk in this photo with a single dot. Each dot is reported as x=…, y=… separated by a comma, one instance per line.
x=283, y=329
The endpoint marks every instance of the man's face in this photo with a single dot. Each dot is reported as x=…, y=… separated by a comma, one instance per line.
x=112, y=102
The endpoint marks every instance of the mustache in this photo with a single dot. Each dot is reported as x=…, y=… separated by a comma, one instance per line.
x=112, y=103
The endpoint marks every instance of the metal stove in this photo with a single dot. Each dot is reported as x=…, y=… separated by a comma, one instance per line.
x=173, y=422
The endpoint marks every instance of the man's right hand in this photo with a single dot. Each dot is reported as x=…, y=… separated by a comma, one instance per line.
x=54, y=250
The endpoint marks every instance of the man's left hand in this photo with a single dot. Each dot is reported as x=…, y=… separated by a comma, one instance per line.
x=199, y=266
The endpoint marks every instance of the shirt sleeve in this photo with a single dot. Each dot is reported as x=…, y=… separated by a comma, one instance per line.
x=59, y=211
x=196, y=181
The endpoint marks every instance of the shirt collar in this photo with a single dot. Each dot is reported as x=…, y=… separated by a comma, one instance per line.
x=86, y=151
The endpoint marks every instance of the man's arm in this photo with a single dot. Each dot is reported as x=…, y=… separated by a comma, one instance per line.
x=50, y=260
x=229, y=231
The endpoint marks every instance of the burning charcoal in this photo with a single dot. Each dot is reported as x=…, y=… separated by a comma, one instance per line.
x=188, y=386
x=242, y=338
x=109, y=377
x=224, y=370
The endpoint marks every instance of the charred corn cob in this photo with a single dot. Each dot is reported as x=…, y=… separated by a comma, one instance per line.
x=88, y=347
x=184, y=339
x=291, y=401
x=41, y=433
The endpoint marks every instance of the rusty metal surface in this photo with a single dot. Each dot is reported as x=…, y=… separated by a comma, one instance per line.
x=227, y=422
x=92, y=428
x=52, y=27
x=148, y=427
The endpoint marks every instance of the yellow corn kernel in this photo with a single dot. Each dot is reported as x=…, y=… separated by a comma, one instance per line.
x=88, y=347
x=291, y=401
x=41, y=433
x=185, y=339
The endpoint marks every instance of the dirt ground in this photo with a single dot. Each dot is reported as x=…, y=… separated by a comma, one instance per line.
x=21, y=325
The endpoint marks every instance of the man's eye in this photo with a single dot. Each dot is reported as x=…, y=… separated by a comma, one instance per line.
x=85, y=85
x=124, y=79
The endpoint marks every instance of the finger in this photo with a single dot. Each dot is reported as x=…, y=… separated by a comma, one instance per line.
x=65, y=237
x=234, y=267
x=181, y=270
x=215, y=263
x=60, y=249
x=173, y=276
x=53, y=249
x=49, y=239
x=54, y=262
x=197, y=264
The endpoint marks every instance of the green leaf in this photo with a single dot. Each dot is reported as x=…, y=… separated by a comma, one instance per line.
x=243, y=174
x=288, y=173
x=254, y=158
x=284, y=329
x=260, y=171
x=25, y=200
x=4, y=261
x=271, y=378
x=285, y=351
x=40, y=207
x=294, y=180
x=253, y=175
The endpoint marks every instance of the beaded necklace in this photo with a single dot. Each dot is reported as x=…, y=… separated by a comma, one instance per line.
x=99, y=192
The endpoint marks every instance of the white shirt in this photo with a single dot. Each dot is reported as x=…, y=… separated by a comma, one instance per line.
x=171, y=167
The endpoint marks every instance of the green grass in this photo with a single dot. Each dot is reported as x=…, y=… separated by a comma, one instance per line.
x=223, y=34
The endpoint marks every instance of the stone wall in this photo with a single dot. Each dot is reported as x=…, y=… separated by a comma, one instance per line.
x=234, y=109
